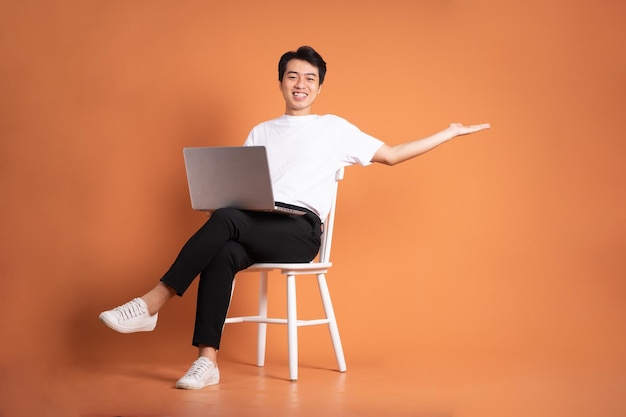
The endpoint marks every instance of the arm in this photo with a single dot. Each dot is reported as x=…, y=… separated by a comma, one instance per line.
x=394, y=154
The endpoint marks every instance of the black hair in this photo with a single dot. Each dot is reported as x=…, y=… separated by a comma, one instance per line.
x=305, y=53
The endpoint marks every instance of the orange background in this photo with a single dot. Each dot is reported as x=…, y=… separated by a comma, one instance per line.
x=504, y=247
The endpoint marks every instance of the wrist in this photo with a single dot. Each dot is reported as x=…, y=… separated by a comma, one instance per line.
x=448, y=134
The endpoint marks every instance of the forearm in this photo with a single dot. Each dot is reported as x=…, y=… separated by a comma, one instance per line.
x=394, y=154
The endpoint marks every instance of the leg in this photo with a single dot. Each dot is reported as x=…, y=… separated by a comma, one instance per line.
x=266, y=237
x=230, y=241
x=214, y=293
x=158, y=296
x=141, y=314
x=224, y=225
x=208, y=352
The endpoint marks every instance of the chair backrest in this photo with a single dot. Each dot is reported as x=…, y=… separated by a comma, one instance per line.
x=327, y=236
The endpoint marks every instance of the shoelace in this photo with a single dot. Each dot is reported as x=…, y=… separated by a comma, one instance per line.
x=130, y=310
x=199, y=368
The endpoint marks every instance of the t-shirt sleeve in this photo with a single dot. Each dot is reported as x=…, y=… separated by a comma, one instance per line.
x=250, y=139
x=358, y=147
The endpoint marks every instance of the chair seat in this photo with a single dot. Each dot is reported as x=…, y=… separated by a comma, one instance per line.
x=286, y=268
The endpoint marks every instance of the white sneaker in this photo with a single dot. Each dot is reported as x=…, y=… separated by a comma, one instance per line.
x=203, y=372
x=130, y=317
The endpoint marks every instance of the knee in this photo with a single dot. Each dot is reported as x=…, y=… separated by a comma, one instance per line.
x=221, y=217
x=226, y=213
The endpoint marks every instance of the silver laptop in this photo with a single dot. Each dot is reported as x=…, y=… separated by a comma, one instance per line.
x=226, y=176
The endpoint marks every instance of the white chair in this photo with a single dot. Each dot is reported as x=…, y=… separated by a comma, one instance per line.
x=291, y=271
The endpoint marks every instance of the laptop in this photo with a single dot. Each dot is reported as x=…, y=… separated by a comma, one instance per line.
x=236, y=176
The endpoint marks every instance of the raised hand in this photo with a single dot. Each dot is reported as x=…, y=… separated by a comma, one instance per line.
x=458, y=129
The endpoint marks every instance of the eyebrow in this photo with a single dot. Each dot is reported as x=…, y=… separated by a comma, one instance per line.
x=306, y=73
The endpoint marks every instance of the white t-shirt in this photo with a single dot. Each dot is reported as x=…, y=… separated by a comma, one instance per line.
x=305, y=152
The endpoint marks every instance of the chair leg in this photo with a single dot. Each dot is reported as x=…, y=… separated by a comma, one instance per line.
x=332, y=325
x=292, y=327
x=262, y=327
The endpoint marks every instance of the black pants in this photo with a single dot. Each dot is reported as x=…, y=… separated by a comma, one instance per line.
x=230, y=241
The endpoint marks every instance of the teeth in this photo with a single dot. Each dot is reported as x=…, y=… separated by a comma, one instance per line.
x=299, y=94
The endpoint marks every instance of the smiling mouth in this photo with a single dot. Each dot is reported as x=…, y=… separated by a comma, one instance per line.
x=298, y=94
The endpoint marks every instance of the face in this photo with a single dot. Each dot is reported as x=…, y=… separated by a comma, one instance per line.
x=300, y=87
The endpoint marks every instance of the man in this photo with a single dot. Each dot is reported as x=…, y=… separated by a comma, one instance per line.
x=304, y=152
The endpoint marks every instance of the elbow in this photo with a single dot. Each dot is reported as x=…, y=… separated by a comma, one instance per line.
x=386, y=156
x=385, y=161
x=391, y=159
x=389, y=162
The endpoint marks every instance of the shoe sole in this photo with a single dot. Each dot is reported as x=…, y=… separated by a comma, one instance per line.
x=188, y=386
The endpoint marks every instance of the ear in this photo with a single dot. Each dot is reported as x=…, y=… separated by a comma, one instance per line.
x=319, y=89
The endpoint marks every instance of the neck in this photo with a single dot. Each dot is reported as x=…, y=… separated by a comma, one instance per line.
x=297, y=112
